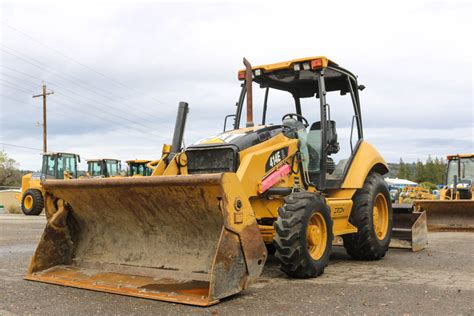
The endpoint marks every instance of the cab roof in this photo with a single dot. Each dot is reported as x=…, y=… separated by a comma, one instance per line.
x=52, y=153
x=456, y=156
x=290, y=63
x=300, y=76
x=138, y=161
x=93, y=160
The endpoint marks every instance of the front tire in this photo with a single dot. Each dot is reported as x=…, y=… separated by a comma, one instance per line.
x=372, y=215
x=32, y=202
x=303, y=235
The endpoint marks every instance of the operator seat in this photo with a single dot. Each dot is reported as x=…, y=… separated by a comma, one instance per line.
x=314, y=145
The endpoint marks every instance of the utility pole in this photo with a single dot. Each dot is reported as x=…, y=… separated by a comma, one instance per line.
x=44, y=94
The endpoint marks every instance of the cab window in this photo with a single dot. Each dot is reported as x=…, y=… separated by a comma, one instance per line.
x=112, y=168
x=94, y=168
x=48, y=167
x=69, y=165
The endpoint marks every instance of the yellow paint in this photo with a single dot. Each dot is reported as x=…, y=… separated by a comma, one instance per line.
x=138, y=161
x=340, y=212
x=380, y=216
x=366, y=158
x=28, y=183
x=289, y=64
x=450, y=157
x=252, y=163
x=316, y=236
x=214, y=140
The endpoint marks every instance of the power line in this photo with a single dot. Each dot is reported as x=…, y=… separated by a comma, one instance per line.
x=146, y=131
x=31, y=84
x=13, y=99
x=13, y=86
x=20, y=72
x=18, y=146
x=87, y=115
x=74, y=60
x=18, y=55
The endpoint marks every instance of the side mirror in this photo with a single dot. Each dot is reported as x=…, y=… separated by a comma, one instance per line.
x=226, y=118
x=361, y=87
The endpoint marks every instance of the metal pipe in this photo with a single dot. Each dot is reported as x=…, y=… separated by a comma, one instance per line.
x=240, y=105
x=183, y=110
x=323, y=109
x=248, y=83
x=455, y=188
x=265, y=101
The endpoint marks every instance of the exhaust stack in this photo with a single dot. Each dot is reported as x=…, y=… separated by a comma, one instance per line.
x=248, y=83
x=183, y=110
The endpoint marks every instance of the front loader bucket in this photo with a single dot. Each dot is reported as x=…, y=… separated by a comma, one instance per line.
x=187, y=239
x=409, y=228
x=448, y=215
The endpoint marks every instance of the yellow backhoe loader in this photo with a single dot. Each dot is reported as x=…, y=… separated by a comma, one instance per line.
x=55, y=165
x=139, y=168
x=195, y=231
x=454, y=211
x=103, y=168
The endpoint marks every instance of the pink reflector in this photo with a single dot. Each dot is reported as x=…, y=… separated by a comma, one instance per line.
x=274, y=178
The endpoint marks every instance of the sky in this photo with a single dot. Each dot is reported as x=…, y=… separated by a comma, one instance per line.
x=119, y=69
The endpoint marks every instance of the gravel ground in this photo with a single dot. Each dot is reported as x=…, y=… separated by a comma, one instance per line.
x=436, y=281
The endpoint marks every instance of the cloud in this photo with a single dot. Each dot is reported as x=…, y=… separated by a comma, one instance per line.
x=128, y=65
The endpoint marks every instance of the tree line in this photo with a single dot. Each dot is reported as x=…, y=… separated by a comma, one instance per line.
x=432, y=170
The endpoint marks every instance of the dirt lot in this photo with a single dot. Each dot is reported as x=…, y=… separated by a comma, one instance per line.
x=436, y=281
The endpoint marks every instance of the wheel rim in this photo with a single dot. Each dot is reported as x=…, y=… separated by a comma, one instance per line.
x=28, y=202
x=380, y=214
x=316, y=236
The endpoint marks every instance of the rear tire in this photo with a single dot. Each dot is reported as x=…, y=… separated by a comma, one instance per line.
x=372, y=215
x=32, y=202
x=303, y=235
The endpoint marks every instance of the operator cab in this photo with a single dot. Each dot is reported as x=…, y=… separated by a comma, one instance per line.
x=308, y=80
x=103, y=168
x=138, y=168
x=460, y=175
x=59, y=165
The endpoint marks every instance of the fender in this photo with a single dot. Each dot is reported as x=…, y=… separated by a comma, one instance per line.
x=366, y=159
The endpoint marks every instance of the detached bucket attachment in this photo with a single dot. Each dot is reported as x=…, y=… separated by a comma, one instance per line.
x=409, y=228
x=448, y=215
x=185, y=239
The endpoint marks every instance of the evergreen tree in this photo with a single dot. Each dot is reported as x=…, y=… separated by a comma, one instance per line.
x=402, y=171
x=433, y=170
x=440, y=167
x=419, y=172
x=430, y=170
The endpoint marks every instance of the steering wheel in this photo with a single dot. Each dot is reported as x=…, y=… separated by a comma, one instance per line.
x=292, y=115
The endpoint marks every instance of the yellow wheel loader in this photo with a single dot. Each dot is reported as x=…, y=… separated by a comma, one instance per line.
x=454, y=211
x=55, y=165
x=138, y=168
x=103, y=168
x=195, y=231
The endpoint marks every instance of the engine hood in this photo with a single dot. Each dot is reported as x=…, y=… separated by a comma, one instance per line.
x=241, y=138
